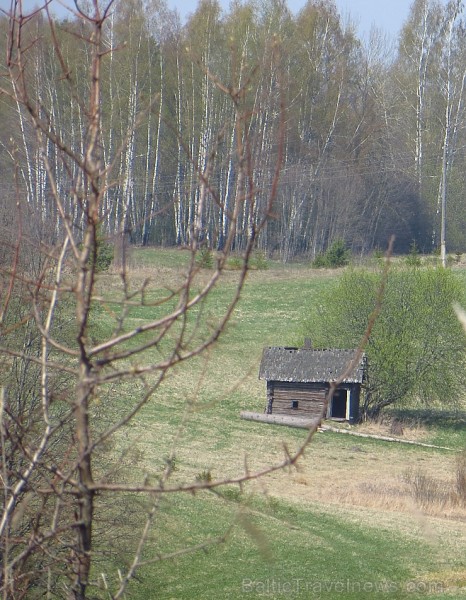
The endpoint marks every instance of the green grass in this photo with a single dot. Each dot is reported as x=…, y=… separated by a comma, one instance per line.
x=277, y=549
x=156, y=258
x=280, y=545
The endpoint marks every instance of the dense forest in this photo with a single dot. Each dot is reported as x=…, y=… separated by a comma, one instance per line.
x=369, y=135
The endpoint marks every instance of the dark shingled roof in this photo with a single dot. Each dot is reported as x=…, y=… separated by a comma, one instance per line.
x=305, y=365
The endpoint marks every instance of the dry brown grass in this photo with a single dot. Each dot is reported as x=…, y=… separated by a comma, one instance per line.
x=411, y=430
x=377, y=477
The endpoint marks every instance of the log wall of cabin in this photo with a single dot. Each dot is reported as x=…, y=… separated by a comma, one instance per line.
x=309, y=397
x=268, y=407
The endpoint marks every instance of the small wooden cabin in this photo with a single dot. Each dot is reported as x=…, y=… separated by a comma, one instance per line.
x=298, y=380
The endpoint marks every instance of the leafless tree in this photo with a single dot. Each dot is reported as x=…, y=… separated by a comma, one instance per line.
x=55, y=422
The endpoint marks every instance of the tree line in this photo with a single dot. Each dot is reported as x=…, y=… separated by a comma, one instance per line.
x=373, y=131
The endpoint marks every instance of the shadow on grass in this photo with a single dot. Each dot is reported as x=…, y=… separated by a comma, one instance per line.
x=431, y=417
x=447, y=427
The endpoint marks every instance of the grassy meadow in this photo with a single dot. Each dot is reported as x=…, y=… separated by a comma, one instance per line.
x=358, y=517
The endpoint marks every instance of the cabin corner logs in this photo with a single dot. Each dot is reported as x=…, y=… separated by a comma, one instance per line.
x=298, y=380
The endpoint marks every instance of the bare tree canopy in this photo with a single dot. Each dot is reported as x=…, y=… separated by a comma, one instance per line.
x=373, y=142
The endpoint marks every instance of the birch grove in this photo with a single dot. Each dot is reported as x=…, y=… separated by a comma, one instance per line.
x=366, y=153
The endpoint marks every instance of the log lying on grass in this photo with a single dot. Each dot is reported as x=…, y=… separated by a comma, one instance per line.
x=290, y=421
x=303, y=423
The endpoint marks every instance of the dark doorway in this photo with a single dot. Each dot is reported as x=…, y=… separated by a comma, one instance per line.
x=338, y=409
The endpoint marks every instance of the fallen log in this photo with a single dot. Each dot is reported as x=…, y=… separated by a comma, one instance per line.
x=290, y=421
x=303, y=423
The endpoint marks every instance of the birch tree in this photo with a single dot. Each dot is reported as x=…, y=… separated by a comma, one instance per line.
x=418, y=62
x=452, y=86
